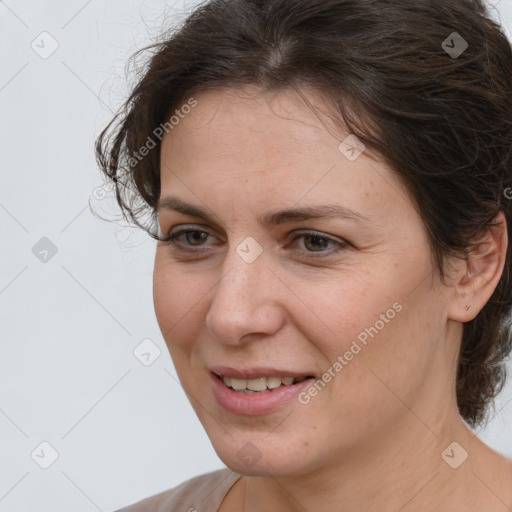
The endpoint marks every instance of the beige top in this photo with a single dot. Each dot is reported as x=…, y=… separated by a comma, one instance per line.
x=203, y=493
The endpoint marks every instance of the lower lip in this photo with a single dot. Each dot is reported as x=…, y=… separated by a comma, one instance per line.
x=258, y=403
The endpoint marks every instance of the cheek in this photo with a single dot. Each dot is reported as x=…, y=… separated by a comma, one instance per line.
x=382, y=358
x=177, y=301
x=340, y=309
x=371, y=323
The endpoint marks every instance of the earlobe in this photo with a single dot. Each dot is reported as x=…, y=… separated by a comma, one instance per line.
x=481, y=273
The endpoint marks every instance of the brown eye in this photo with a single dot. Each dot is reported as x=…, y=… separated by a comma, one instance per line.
x=186, y=238
x=195, y=237
x=315, y=243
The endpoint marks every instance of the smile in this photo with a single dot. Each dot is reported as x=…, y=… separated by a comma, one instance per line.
x=256, y=396
x=261, y=384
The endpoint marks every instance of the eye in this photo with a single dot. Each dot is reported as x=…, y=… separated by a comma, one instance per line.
x=192, y=238
x=314, y=242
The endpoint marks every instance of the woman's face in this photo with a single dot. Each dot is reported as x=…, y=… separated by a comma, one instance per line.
x=354, y=303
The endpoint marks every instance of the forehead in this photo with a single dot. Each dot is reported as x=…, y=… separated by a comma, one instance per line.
x=249, y=120
x=273, y=145
x=243, y=129
x=255, y=101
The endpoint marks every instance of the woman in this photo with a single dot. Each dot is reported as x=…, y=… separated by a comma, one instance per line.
x=329, y=182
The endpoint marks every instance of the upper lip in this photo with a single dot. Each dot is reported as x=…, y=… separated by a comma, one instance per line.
x=256, y=372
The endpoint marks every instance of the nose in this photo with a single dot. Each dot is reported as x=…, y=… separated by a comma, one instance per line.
x=245, y=302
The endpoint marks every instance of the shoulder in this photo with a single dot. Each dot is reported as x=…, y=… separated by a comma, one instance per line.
x=204, y=492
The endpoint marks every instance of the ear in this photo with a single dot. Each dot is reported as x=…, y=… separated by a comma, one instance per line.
x=477, y=278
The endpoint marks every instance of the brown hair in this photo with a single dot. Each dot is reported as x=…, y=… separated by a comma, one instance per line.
x=442, y=121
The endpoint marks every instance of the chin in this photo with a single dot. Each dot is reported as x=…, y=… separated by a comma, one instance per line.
x=260, y=457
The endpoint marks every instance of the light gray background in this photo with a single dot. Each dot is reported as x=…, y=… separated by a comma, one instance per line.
x=69, y=326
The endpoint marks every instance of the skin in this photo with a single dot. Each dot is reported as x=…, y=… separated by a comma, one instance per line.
x=373, y=437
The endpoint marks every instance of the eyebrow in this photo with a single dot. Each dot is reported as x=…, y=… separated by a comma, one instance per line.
x=274, y=218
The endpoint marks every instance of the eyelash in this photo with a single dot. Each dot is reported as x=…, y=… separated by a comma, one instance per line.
x=171, y=240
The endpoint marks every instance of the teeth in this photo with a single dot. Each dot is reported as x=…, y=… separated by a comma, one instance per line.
x=257, y=384
x=238, y=384
x=273, y=382
x=260, y=384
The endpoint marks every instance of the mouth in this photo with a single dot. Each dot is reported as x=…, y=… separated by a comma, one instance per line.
x=260, y=385
x=253, y=395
